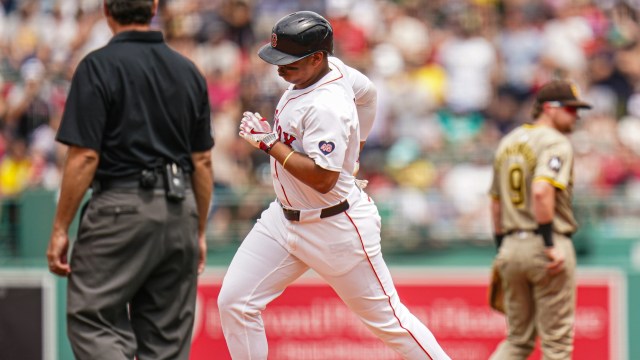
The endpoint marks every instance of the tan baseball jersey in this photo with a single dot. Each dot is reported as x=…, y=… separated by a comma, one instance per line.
x=532, y=153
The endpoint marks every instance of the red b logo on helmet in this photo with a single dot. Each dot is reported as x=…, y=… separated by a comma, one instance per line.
x=274, y=40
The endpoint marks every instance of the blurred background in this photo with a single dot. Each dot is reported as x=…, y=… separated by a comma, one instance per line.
x=453, y=76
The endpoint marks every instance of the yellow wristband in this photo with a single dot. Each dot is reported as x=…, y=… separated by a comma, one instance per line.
x=287, y=158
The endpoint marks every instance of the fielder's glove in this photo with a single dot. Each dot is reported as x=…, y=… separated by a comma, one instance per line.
x=496, y=292
x=256, y=131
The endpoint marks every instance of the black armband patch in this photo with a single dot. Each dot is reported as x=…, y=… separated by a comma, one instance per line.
x=546, y=231
x=498, y=238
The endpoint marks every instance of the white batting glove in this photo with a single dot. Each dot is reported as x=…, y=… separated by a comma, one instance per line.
x=361, y=183
x=257, y=131
x=256, y=121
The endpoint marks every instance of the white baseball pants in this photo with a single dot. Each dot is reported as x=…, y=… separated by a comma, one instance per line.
x=345, y=251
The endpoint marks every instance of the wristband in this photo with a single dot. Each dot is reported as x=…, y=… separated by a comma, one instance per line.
x=268, y=141
x=546, y=231
x=287, y=158
x=498, y=239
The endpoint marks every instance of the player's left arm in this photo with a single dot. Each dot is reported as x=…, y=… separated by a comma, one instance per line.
x=552, y=174
x=366, y=100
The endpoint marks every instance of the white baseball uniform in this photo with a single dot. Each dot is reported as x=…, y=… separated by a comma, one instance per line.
x=320, y=121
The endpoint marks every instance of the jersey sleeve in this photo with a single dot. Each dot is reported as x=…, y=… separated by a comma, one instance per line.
x=555, y=164
x=85, y=114
x=202, y=135
x=326, y=134
x=366, y=97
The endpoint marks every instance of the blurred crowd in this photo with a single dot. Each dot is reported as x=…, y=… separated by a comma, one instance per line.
x=453, y=76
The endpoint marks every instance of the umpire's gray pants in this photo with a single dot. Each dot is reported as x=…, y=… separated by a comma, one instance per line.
x=132, y=287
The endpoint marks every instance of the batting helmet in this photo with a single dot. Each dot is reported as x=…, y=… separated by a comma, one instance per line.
x=297, y=36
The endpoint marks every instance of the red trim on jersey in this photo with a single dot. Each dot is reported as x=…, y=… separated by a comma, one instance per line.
x=279, y=111
x=383, y=290
x=324, y=83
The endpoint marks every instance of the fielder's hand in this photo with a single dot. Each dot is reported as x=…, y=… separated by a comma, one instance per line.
x=556, y=257
x=256, y=131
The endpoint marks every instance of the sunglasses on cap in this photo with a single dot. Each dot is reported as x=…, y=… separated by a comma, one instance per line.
x=570, y=109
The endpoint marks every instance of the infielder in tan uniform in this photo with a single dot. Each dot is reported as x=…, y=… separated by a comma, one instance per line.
x=533, y=222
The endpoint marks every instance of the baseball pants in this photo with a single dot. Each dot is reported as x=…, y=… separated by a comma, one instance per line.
x=345, y=251
x=132, y=288
x=536, y=303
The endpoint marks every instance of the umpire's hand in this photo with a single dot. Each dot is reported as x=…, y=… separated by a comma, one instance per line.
x=57, y=253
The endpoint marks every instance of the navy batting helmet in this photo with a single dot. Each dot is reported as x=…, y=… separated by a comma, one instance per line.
x=297, y=36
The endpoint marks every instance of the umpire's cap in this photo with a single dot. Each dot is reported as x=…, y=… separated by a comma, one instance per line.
x=297, y=36
x=563, y=92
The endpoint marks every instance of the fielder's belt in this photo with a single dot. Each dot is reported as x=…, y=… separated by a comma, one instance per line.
x=294, y=215
x=535, y=231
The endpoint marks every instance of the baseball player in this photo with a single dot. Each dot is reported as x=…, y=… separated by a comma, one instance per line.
x=533, y=221
x=320, y=218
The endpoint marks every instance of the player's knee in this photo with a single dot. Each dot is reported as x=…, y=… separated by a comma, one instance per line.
x=228, y=302
x=233, y=305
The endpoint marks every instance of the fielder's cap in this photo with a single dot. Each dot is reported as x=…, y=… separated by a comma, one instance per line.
x=297, y=36
x=563, y=92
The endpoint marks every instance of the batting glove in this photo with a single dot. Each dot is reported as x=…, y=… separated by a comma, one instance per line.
x=257, y=131
x=361, y=183
x=256, y=122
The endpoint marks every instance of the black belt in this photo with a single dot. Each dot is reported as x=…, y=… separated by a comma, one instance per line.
x=535, y=231
x=294, y=215
x=131, y=182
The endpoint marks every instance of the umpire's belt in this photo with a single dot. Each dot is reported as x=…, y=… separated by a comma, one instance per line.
x=131, y=182
x=294, y=215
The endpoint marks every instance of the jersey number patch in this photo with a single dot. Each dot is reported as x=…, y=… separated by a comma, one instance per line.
x=517, y=185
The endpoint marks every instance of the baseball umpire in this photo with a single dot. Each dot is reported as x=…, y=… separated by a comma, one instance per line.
x=320, y=219
x=533, y=222
x=137, y=123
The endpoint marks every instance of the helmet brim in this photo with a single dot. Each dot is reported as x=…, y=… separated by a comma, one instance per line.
x=277, y=57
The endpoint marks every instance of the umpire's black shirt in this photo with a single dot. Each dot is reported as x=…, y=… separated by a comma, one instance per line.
x=138, y=103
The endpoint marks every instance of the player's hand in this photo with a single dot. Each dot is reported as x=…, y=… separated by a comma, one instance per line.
x=556, y=257
x=256, y=121
x=57, y=253
x=361, y=183
x=202, y=244
x=356, y=168
x=254, y=128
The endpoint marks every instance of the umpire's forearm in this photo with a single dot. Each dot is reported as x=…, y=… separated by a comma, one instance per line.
x=79, y=168
x=202, y=183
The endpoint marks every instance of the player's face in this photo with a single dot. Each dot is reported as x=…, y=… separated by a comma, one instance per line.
x=565, y=118
x=301, y=73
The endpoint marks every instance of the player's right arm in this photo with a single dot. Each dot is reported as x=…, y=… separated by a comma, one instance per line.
x=256, y=130
x=304, y=168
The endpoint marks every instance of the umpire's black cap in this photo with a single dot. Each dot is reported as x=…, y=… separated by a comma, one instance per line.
x=297, y=36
